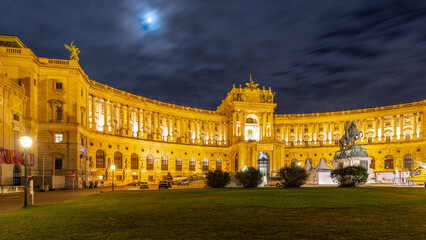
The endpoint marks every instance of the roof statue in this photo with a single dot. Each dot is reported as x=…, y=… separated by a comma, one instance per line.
x=74, y=51
x=251, y=84
x=351, y=135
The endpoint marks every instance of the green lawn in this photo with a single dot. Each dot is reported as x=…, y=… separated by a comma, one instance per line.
x=266, y=213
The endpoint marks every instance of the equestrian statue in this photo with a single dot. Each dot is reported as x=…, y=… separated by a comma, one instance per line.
x=352, y=134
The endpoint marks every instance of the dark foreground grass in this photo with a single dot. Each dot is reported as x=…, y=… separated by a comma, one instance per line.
x=268, y=213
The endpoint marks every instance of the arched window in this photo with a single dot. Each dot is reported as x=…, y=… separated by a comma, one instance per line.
x=16, y=175
x=100, y=159
x=293, y=162
x=134, y=161
x=178, y=164
x=191, y=164
x=118, y=160
x=389, y=162
x=408, y=161
x=164, y=163
x=205, y=164
x=373, y=163
x=218, y=164
x=149, y=162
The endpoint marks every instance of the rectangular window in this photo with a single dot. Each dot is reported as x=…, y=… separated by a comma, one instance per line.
x=336, y=142
x=59, y=113
x=58, y=138
x=58, y=85
x=58, y=163
x=388, y=138
x=16, y=117
x=370, y=139
x=407, y=137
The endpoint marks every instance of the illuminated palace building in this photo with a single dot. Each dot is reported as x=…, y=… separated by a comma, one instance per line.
x=81, y=126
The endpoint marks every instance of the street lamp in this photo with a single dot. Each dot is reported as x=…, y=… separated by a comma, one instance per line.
x=26, y=143
x=113, y=177
x=134, y=179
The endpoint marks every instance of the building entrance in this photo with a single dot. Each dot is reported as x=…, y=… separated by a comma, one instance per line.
x=263, y=163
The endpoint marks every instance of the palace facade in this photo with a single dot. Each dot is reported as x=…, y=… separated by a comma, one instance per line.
x=81, y=126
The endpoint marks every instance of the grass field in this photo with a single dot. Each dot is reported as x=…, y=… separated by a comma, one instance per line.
x=265, y=213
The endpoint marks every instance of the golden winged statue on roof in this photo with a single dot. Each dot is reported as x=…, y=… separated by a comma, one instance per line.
x=74, y=51
x=251, y=84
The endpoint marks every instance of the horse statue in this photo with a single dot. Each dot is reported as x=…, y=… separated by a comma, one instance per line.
x=352, y=134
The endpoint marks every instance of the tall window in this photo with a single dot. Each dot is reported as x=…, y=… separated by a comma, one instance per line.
x=118, y=160
x=100, y=159
x=293, y=162
x=205, y=164
x=58, y=138
x=149, y=162
x=134, y=162
x=58, y=113
x=191, y=164
x=178, y=164
x=58, y=163
x=373, y=163
x=370, y=139
x=58, y=85
x=388, y=138
x=16, y=175
x=164, y=163
x=236, y=162
x=218, y=164
x=408, y=161
x=389, y=162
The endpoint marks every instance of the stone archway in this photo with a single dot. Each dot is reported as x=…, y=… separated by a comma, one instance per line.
x=236, y=162
x=263, y=163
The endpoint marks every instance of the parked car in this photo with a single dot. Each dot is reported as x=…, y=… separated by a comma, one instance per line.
x=184, y=182
x=418, y=176
x=143, y=185
x=163, y=184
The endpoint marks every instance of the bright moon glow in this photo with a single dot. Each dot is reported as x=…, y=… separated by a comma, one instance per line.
x=149, y=20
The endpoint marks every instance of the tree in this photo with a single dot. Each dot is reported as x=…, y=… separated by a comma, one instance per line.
x=351, y=176
x=249, y=178
x=218, y=179
x=294, y=176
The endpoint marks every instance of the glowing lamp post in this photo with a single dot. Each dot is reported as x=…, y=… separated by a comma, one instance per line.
x=113, y=177
x=134, y=179
x=26, y=143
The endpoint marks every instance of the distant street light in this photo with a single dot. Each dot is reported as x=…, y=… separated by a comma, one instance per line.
x=134, y=179
x=26, y=143
x=113, y=177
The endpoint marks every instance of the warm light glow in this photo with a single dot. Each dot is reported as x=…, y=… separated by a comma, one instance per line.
x=112, y=167
x=134, y=173
x=100, y=177
x=26, y=141
x=299, y=163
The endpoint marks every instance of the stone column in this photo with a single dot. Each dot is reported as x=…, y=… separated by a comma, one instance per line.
x=382, y=129
x=106, y=129
x=138, y=113
x=401, y=127
x=364, y=129
x=376, y=129
x=394, y=128
x=415, y=126
x=129, y=130
x=94, y=113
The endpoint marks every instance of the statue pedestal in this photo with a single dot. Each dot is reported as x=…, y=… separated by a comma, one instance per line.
x=356, y=161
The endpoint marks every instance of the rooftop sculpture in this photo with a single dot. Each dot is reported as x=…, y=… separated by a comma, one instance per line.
x=74, y=51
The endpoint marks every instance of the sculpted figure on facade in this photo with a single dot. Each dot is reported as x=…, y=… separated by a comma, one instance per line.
x=74, y=51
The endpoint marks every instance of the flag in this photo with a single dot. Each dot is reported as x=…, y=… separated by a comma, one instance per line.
x=22, y=156
x=15, y=157
x=31, y=159
x=7, y=156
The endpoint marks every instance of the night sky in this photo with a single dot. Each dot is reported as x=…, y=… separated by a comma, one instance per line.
x=316, y=55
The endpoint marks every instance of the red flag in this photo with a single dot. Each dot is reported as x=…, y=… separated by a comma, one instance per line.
x=15, y=157
x=7, y=156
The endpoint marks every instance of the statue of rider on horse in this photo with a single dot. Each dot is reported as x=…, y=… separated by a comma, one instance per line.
x=352, y=134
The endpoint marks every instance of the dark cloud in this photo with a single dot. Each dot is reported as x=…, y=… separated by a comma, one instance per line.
x=317, y=55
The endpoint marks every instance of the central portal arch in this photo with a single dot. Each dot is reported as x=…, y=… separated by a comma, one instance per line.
x=263, y=163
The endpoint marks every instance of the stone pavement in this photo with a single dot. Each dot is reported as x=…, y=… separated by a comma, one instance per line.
x=14, y=201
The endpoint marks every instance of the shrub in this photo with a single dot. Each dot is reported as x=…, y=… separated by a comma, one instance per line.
x=249, y=178
x=294, y=176
x=218, y=179
x=350, y=176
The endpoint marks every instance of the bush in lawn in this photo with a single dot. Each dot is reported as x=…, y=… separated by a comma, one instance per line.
x=350, y=176
x=249, y=178
x=218, y=179
x=294, y=176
